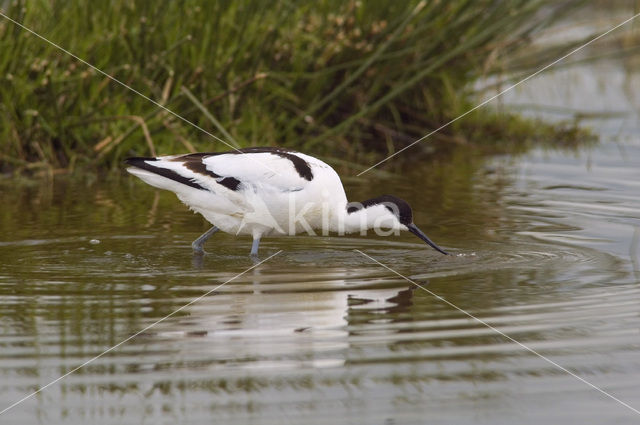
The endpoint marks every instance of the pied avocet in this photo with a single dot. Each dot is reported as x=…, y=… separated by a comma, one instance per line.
x=270, y=191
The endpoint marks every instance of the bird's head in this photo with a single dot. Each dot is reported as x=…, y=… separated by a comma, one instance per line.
x=390, y=212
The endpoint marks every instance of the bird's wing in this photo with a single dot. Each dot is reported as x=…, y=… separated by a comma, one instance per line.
x=232, y=173
x=281, y=171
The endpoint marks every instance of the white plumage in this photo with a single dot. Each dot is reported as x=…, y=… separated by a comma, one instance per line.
x=269, y=191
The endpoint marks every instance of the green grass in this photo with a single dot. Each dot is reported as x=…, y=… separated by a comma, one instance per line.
x=352, y=80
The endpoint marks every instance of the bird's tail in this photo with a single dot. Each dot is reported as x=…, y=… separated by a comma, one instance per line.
x=162, y=173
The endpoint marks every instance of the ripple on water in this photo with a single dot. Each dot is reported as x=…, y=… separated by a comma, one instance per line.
x=318, y=322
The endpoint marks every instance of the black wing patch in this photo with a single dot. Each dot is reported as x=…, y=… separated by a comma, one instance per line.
x=301, y=166
x=194, y=164
x=141, y=163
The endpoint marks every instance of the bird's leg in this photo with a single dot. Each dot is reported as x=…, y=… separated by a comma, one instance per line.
x=197, y=244
x=254, y=247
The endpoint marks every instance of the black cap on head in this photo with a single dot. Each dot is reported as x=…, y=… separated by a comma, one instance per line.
x=397, y=206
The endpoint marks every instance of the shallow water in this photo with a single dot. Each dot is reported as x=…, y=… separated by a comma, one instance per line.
x=546, y=251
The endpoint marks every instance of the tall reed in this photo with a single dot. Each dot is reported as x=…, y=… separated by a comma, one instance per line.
x=352, y=80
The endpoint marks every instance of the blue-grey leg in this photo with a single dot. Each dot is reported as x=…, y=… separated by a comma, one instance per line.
x=254, y=247
x=197, y=244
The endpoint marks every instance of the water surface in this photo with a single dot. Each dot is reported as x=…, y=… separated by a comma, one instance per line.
x=546, y=250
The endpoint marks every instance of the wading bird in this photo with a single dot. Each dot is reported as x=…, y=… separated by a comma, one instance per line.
x=270, y=191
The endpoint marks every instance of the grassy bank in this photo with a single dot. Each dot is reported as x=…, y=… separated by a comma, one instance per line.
x=347, y=80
